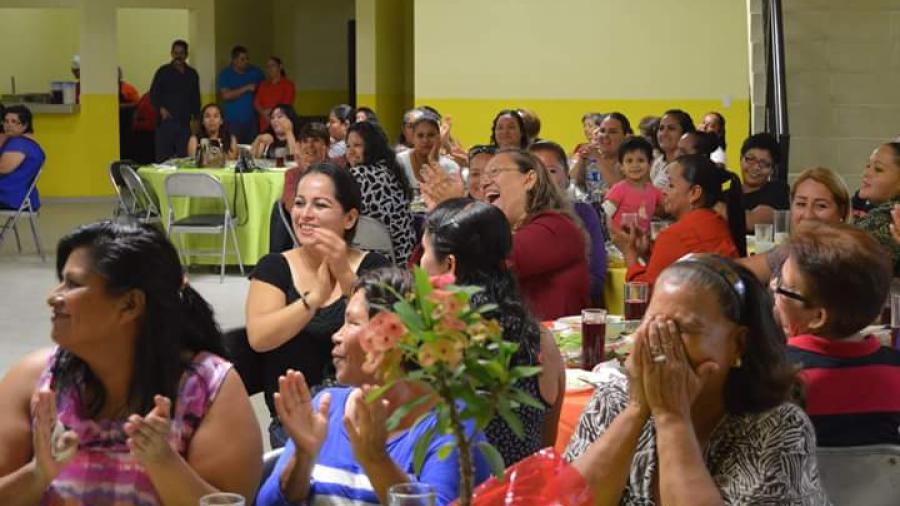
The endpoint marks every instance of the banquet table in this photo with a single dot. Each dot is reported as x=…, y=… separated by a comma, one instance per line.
x=250, y=197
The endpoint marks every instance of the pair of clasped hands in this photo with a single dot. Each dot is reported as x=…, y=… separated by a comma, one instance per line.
x=54, y=446
x=663, y=379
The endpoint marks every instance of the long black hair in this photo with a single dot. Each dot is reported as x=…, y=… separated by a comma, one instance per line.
x=477, y=234
x=514, y=114
x=224, y=133
x=376, y=150
x=701, y=171
x=346, y=190
x=176, y=318
x=764, y=379
x=287, y=110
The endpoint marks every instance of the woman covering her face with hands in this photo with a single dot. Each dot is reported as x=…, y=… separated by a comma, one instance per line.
x=709, y=366
x=297, y=298
x=339, y=448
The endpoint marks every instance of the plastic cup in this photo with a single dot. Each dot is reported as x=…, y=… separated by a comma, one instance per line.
x=411, y=494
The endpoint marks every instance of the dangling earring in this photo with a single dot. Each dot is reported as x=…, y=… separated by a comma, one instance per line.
x=737, y=363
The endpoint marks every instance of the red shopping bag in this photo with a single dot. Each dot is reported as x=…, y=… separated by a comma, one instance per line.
x=543, y=479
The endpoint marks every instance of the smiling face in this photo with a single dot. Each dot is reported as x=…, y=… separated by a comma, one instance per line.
x=795, y=316
x=710, y=124
x=13, y=125
x=336, y=128
x=315, y=205
x=212, y=120
x=425, y=135
x=507, y=132
x=707, y=334
x=84, y=312
x=554, y=167
x=881, y=177
x=814, y=201
x=636, y=166
x=610, y=136
x=507, y=188
x=679, y=195
x=757, y=166
x=668, y=134
x=276, y=119
x=355, y=149
x=476, y=169
x=347, y=354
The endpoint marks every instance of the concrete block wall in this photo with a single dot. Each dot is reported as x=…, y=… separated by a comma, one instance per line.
x=843, y=80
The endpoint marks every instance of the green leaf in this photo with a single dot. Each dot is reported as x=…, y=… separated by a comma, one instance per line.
x=409, y=316
x=404, y=410
x=378, y=392
x=525, y=398
x=510, y=418
x=423, y=284
x=444, y=451
x=420, y=449
x=524, y=372
x=494, y=459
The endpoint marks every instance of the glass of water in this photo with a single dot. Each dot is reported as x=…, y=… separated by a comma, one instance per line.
x=222, y=499
x=782, y=225
x=765, y=237
x=411, y=494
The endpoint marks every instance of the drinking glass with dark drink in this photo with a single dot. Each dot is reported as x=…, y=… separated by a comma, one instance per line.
x=636, y=297
x=593, y=337
x=280, y=155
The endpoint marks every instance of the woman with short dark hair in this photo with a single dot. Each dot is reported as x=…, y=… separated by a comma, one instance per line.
x=760, y=155
x=21, y=158
x=832, y=286
x=709, y=367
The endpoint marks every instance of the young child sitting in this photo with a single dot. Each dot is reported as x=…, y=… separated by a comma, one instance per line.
x=634, y=194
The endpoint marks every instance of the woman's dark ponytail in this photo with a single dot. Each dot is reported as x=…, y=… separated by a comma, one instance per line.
x=201, y=333
x=734, y=205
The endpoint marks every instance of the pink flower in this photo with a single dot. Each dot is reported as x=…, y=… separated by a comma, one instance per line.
x=385, y=330
x=442, y=280
x=451, y=322
x=448, y=300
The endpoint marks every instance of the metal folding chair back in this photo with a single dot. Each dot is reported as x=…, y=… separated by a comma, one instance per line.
x=201, y=186
x=860, y=475
x=373, y=235
x=143, y=207
x=125, y=199
x=25, y=209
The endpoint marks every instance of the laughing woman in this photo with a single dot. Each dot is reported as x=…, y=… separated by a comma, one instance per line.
x=881, y=187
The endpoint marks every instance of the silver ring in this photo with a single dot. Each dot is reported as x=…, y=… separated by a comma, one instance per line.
x=659, y=358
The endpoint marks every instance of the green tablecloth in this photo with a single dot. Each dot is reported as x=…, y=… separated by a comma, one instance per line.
x=252, y=207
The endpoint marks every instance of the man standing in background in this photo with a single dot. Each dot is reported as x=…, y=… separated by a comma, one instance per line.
x=236, y=84
x=175, y=94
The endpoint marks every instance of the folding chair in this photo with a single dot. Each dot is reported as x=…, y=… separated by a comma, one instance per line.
x=860, y=475
x=124, y=197
x=202, y=186
x=25, y=209
x=140, y=205
x=373, y=235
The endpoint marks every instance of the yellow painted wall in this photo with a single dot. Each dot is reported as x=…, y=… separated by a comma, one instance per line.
x=310, y=36
x=246, y=23
x=563, y=59
x=144, y=40
x=38, y=47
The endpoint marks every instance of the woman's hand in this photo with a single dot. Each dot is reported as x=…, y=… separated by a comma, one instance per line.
x=365, y=424
x=53, y=448
x=895, y=225
x=335, y=253
x=438, y=186
x=637, y=398
x=293, y=405
x=670, y=383
x=323, y=287
x=148, y=436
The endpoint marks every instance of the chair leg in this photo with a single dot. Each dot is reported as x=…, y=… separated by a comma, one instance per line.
x=15, y=227
x=224, y=249
x=237, y=249
x=34, y=233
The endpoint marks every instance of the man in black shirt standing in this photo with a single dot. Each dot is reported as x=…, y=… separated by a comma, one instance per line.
x=175, y=93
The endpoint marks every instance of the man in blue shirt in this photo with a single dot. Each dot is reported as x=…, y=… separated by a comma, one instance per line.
x=237, y=84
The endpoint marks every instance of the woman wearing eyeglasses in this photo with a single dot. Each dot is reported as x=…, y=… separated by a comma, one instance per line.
x=831, y=287
x=762, y=196
x=21, y=157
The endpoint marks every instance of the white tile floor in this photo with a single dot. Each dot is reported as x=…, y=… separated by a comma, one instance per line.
x=25, y=281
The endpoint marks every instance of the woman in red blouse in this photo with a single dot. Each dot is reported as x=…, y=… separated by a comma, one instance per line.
x=276, y=89
x=549, y=253
x=695, y=187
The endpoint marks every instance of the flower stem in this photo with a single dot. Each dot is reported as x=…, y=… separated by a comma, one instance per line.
x=466, y=468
